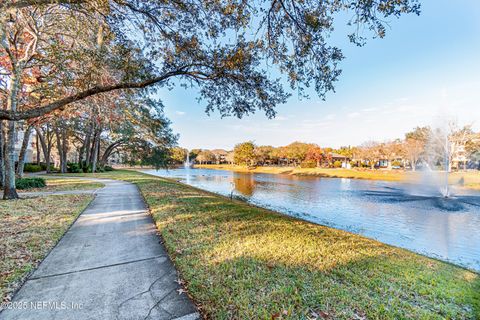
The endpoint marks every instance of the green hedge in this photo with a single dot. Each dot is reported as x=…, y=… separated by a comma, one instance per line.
x=30, y=167
x=44, y=167
x=30, y=183
x=73, y=167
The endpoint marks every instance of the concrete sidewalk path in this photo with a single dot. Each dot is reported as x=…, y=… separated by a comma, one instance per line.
x=109, y=265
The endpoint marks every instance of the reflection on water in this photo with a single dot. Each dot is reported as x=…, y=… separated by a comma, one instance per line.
x=244, y=184
x=443, y=228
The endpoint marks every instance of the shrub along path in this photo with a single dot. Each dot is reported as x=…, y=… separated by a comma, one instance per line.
x=109, y=265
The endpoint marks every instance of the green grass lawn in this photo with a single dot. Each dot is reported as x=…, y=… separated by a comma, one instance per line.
x=29, y=229
x=242, y=262
x=63, y=184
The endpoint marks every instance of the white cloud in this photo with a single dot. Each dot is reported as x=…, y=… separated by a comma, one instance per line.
x=180, y=113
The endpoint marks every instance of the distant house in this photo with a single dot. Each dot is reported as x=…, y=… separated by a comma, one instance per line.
x=338, y=157
x=343, y=159
x=220, y=156
x=459, y=159
x=382, y=163
x=229, y=158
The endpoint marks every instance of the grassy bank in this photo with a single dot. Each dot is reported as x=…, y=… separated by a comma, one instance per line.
x=243, y=262
x=29, y=229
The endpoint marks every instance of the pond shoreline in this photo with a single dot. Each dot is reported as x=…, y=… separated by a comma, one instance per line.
x=471, y=179
x=393, y=212
x=243, y=200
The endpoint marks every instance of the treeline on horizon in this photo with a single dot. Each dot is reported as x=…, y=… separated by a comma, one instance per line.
x=455, y=148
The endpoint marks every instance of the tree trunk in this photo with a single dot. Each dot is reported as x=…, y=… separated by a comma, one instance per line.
x=42, y=142
x=65, y=149
x=59, y=148
x=108, y=151
x=96, y=145
x=80, y=153
x=92, y=149
x=2, y=155
x=87, y=148
x=9, y=188
x=38, y=149
x=47, y=161
x=46, y=148
x=62, y=146
x=49, y=140
x=23, y=151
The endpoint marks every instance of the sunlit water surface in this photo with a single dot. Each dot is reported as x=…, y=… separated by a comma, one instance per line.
x=391, y=212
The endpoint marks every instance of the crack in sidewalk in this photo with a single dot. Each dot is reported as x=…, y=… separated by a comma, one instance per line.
x=96, y=268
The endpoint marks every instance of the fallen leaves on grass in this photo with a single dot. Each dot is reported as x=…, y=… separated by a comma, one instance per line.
x=29, y=229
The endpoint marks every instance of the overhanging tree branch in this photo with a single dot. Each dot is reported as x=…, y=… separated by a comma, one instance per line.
x=28, y=3
x=44, y=109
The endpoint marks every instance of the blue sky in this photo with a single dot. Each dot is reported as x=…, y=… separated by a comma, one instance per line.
x=426, y=69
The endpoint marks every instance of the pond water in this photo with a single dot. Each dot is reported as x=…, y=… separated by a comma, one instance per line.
x=447, y=229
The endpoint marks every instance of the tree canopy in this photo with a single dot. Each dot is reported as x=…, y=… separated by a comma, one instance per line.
x=222, y=48
x=244, y=153
x=56, y=54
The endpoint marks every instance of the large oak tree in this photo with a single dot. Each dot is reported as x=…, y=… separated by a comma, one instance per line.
x=232, y=51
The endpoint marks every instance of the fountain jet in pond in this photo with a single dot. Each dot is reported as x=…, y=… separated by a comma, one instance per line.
x=187, y=164
x=442, y=146
x=437, y=162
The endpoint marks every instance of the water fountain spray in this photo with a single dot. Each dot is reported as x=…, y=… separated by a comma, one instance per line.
x=446, y=190
x=439, y=151
x=187, y=163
